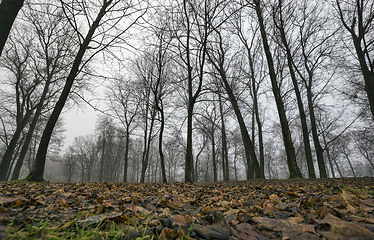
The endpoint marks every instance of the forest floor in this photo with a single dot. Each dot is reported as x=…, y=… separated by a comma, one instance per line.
x=259, y=209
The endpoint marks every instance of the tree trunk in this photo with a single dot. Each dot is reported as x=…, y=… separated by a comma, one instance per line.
x=338, y=168
x=126, y=155
x=235, y=168
x=225, y=157
x=102, y=158
x=288, y=144
x=7, y=158
x=8, y=13
x=349, y=162
x=248, y=145
x=367, y=74
x=163, y=172
x=145, y=161
x=214, y=161
x=25, y=147
x=188, y=174
x=38, y=170
x=30, y=133
x=359, y=40
x=317, y=144
x=330, y=162
x=304, y=125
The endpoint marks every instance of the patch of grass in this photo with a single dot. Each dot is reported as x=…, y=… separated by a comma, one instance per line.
x=74, y=230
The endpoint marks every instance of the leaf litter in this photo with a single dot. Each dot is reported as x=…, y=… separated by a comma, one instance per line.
x=257, y=209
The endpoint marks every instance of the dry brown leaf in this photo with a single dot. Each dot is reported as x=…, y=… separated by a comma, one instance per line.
x=332, y=227
x=286, y=230
x=346, y=199
x=296, y=220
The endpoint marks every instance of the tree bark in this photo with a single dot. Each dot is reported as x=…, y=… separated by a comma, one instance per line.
x=38, y=170
x=288, y=144
x=188, y=174
x=102, y=157
x=8, y=12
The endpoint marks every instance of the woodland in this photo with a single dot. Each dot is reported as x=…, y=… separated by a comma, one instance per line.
x=187, y=91
x=221, y=119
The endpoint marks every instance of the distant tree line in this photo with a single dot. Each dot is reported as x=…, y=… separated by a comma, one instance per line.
x=194, y=90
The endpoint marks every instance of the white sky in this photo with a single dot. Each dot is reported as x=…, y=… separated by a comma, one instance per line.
x=78, y=122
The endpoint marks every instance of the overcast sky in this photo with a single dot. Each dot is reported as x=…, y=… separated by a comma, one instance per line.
x=78, y=123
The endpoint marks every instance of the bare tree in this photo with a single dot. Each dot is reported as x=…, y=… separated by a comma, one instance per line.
x=54, y=46
x=254, y=72
x=124, y=103
x=288, y=144
x=281, y=22
x=357, y=17
x=315, y=49
x=219, y=63
x=224, y=145
x=17, y=60
x=101, y=42
x=208, y=125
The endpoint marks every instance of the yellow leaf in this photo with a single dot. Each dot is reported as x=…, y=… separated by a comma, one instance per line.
x=352, y=209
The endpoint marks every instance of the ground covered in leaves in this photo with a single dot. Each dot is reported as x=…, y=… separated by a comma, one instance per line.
x=261, y=209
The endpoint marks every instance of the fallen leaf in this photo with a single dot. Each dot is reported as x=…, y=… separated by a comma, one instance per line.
x=332, y=227
x=296, y=220
x=95, y=219
x=285, y=229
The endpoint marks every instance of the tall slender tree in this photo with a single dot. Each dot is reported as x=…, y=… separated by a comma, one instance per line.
x=280, y=24
x=218, y=63
x=288, y=144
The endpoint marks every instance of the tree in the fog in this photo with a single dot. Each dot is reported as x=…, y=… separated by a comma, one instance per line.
x=283, y=12
x=192, y=33
x=254, y=73
x=219, y=63
x=125, y=103
x=17, y=59
x=357, y=18
x=211, y=90
x=316, y=45
x=286, y=134
x=145, y=80
x=105, y=19
x=208, y=122
x=55, y=40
